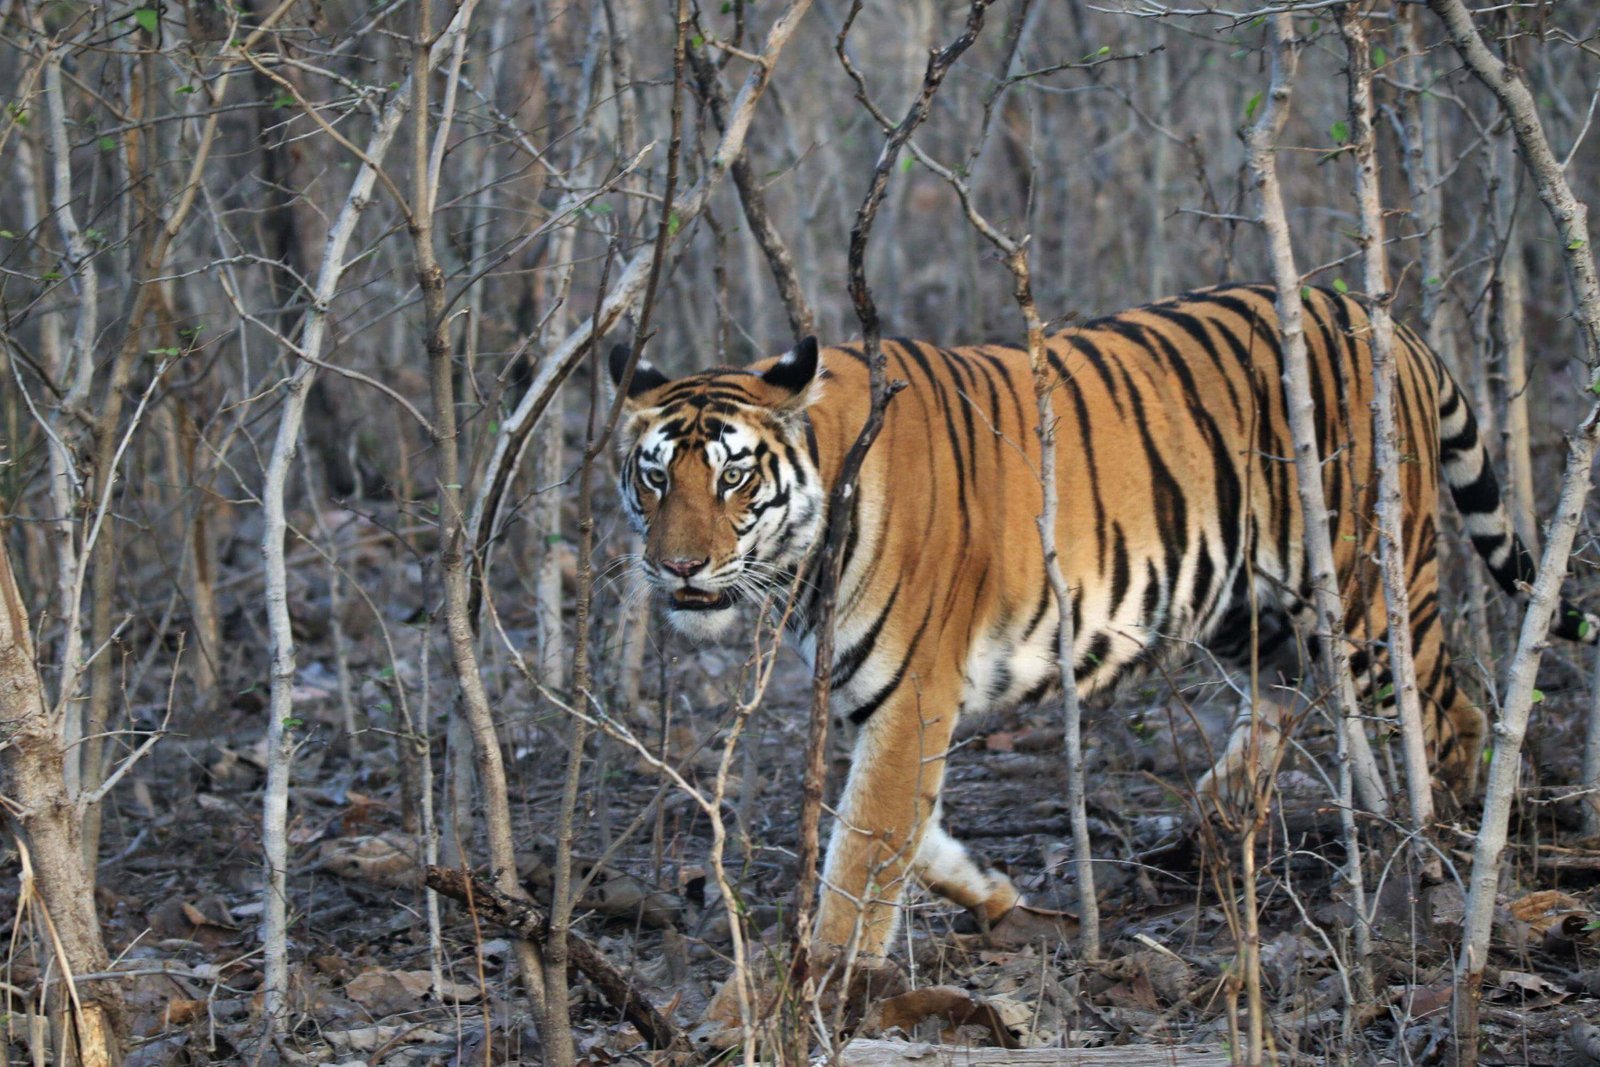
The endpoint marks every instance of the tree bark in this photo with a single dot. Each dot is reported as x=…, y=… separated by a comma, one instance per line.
x=1261, y=142
x=1390, y=510
x=1508, y=375
x=1421, y=133
x=87, y=1022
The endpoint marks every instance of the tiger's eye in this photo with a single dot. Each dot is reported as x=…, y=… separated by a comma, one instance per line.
x=732, y=478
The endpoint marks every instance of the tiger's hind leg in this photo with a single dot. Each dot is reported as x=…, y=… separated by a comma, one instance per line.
x=1453, y=727
x=1261, y=724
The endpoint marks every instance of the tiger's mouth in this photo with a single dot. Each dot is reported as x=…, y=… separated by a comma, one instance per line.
x=692, y=599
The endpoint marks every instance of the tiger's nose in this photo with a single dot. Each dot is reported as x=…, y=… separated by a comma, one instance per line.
x=683, y=568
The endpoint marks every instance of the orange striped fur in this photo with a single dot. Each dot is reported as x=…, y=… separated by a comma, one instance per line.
x=1177, y=493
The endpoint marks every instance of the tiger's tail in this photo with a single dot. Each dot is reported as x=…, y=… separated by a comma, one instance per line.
x=1476, y=491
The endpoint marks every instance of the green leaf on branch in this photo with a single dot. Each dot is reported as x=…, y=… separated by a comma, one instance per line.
x=107, y=144
x=1379, y=56
x=1340, y=131
x=1251, y=107
x=1538, y=696
x=1341, y=286
x=147, y=18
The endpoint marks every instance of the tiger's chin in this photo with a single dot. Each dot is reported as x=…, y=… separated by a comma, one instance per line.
x=701, y=615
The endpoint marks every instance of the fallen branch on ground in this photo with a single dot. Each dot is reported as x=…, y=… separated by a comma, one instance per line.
x=530, y=923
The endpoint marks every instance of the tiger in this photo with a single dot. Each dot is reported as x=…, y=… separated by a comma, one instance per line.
x=1179, y=524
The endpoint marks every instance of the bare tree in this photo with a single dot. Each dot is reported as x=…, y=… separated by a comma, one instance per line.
x=1355, y=762
x=1571, y=219
x=281, y=721
x=1386, y=445
x=86, y=1023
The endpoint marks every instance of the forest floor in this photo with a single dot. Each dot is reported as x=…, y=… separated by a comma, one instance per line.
x=179, y=890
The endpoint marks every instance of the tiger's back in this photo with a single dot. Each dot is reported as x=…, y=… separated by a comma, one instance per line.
x=1176, y=484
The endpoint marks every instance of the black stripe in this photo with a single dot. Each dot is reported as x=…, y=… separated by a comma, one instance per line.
x=1121, y=575
x=954, y=361
x=1086, y=440
x=1077, y=342
x=913, y=349
x=865, y=711
x=846, y=665
x=1094, y=656
x=1045, y=597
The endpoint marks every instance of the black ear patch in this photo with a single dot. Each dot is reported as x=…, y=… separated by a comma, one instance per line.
x=645, y=376
x=796, y=369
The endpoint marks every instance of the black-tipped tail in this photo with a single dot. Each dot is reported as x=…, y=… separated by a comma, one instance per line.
x=1476, y=491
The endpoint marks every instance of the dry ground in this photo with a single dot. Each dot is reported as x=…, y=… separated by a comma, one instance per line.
x=179, y=891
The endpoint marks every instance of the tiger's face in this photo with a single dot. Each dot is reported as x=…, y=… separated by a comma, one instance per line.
x=720, y=480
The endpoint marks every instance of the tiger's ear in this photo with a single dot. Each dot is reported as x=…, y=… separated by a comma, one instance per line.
x=795, y=373
x=645, y=375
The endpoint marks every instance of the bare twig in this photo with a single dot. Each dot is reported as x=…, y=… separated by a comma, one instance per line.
x=510, y=442
x=802, y=321
x=297, y=388
x=829, y=560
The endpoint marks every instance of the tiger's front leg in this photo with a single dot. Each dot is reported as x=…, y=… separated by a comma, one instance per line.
x=888, y=829
x=890, y=800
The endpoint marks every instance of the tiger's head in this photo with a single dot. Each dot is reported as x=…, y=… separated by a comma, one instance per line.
x=719, y=476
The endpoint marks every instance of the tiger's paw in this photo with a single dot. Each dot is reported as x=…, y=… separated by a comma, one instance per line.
x=1029, y=922
x=845, y=988
x=1227, y=791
